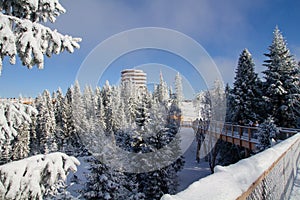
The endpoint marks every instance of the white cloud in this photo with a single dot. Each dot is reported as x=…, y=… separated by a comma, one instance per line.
x=227, y=68
x=208, y=20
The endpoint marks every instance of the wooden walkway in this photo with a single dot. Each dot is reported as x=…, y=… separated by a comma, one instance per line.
x=244, y=136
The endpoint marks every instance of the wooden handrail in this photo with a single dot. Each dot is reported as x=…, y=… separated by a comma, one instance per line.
x=246, y=142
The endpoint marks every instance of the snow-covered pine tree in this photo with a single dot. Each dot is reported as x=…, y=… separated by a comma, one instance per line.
x=229, y=103
x=12, y=116
x=109, y=114
x=46, y=123
x=21, y=146
x=267, y=132
x=58, y=108
x=104, y=183
x=34, y=142
x=89, y=103
x=161, y=91
x=51, y=121
x=142, y=111
x=22, y=34
x=118, y=117
x=72, y=141
x=245, y=92
x=282, y=83
x=178, y=88
x=99, y=108
x=78, y=110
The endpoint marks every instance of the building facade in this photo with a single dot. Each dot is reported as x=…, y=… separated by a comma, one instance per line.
x=134, y=76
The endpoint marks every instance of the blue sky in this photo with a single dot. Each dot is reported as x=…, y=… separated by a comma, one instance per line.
x=223, y=28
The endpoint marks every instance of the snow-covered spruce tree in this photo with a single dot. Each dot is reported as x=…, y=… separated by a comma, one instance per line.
x=245, y=92
x=58, y=109
x=21, y=147
x=12, y=117
x=78, y=109
x=99, y=108
x=23, y=34
x=71, y=139
x=154, y=137
x=104, y=183
x=178, y=88
x=109, y=112
x=89, y=103
x=129, y=95
x=267, y=134
x=51, y=121
x=161, y=91
x=229, y=103
x=282, y=83
x=46, y=125
x=35, y=177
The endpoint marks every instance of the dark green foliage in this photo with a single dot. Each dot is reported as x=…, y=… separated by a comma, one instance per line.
x=282, y=90
x=246, y=91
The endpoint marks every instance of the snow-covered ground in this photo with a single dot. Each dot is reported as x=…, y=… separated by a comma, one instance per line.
x=192, y=170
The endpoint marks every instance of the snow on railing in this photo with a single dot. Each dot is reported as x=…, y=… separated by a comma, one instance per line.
x=266, y=175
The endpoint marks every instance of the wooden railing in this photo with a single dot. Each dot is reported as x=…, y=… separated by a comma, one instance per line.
x=244, y=136
x=267, y=175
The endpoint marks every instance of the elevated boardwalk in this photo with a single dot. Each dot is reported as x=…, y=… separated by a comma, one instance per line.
x=244, y=136
x=266, y=175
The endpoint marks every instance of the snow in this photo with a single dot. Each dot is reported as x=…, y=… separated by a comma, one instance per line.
x=192, y=171
x=231, y=181
x=33, y=176
x=29, y=39
x=188, y=111
x=12, y=115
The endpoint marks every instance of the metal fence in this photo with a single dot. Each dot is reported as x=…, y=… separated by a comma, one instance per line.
x=277, y=181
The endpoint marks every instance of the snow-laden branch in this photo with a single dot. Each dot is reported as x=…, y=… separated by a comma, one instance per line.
x=21, y=33
x=12, y=115
x=33, y=177
x=34, y=10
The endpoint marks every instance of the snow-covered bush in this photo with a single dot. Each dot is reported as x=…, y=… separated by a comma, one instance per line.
x=35, y=177
x=267, y=133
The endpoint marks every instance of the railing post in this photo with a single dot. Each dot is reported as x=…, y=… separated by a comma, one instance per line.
x=249, y=134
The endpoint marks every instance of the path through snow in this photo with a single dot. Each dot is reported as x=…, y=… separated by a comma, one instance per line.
x=192, y=170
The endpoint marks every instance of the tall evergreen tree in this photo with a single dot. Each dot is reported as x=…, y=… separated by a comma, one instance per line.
x=45, y=124
x=21, y=147
x=161, y=91
x=178, y=88
x=229, y=103
x=99, y=108
x=245, y=91
x=282, y=83
x=72, y=141
x=58, y=109
x=78, y=110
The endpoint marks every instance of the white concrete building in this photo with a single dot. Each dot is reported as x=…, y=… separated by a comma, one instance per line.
x=135, y=76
